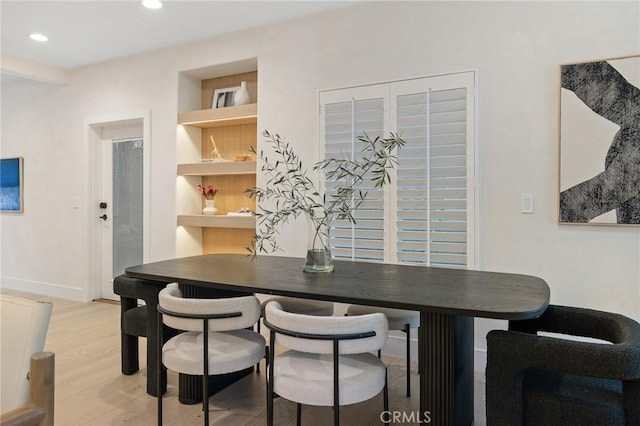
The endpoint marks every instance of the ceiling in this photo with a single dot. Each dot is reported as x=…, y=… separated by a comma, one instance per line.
x=87, y=32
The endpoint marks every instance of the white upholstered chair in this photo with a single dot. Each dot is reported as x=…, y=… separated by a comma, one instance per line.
x=328, y=361
x=296, y=305
x=216, y=327
x=27, y=373
x=299, y=306
x=399, y=319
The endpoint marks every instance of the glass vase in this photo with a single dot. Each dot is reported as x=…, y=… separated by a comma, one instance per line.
x=318, y=258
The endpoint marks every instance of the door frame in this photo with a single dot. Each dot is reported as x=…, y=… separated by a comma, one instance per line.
x=93, y=129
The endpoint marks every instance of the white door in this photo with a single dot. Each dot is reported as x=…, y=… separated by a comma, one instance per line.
x=120, y=209
x=119, y=200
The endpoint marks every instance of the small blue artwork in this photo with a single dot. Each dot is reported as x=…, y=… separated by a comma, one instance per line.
x=11, y=185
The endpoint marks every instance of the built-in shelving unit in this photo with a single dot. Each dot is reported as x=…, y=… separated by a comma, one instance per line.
x=234, y=131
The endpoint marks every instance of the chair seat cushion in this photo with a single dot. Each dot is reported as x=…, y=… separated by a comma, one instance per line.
x=307, y=378
x=397, y=318
x=302, y=306
x=228, y=351
x=566, y=399
x=135, y=321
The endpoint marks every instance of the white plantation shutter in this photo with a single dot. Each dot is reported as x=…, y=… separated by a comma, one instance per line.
x=426, y=215
x=344, y=121
x=432, y=178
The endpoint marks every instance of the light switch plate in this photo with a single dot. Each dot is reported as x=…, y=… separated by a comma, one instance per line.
x=526, y=203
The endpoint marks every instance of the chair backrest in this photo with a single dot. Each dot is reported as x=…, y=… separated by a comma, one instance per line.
x=170, y=298
x=24, y=330
x=300, y=323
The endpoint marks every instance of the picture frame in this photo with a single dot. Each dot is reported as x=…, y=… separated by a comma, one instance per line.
x=12, y=185
x=223, y=98
x=599, y=166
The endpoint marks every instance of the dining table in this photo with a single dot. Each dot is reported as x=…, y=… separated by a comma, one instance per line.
x=448, y=300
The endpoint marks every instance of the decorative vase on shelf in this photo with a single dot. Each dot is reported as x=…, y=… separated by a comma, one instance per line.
x=242, y=97
x=318, y=258
x=210, y=207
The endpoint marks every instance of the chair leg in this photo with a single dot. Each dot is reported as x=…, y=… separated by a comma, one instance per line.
x=299, y=414
x=336, y=384
x=385, y=395
x=270, y=364
x=129, y=344
x=205, y=371
x=159, y=366
x=205, y=402
x=258, y=329
x=406, y=330
x=419, y=349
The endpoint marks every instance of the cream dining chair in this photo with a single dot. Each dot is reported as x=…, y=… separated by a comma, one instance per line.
x=217, y=339
x=328, y=362
x=399, y=319
x=298, y=306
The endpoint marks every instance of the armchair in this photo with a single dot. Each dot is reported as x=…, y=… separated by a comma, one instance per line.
x=542, y=380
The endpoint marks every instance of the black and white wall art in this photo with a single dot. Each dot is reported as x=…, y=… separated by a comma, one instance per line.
x=600, y=142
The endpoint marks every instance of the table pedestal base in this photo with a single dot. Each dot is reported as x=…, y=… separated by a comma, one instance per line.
x=190, y=387
x=446, y=369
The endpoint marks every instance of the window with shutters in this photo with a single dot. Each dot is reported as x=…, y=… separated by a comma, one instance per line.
x=426, y=215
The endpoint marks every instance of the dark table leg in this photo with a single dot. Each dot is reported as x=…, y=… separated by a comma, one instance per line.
x=446, y=369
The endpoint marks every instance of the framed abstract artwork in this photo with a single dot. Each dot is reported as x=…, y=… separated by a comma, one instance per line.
x=11, y=185
x=600, y=142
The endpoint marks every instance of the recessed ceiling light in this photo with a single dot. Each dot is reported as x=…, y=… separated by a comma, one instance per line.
x=152, y=4
x=38, y=37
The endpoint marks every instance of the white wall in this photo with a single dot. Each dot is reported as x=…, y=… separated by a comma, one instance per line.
x=516, y=47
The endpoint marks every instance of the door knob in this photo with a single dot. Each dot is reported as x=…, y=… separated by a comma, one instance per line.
x=103, y=217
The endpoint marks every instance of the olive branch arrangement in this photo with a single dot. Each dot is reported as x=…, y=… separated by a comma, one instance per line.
x=292, y=192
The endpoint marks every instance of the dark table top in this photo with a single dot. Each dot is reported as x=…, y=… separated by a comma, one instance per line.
x=418, y=288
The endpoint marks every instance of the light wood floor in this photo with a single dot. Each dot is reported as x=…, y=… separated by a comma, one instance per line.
x=90, y=390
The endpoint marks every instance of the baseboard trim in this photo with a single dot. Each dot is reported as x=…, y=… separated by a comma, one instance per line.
x=43, y=288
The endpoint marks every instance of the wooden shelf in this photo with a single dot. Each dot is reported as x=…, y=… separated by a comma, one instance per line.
x=217, y=168
x=218, y=221
x=230, y=116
